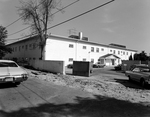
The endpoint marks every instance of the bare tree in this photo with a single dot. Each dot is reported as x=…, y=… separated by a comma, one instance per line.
x=37, y=14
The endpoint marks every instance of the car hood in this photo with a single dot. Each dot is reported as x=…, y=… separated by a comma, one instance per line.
x=11, y=71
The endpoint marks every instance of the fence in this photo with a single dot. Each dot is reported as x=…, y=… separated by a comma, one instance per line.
x=126, y=64
x=48, y=65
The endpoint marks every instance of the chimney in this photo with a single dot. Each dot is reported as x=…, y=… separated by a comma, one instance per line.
x=80, y=35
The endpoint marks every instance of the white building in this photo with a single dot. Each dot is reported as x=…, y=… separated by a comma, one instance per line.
x=69, y=49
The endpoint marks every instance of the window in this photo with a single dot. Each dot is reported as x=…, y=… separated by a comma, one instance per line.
x=123, y=53
x=114, y=51
x=26, y=47
x=30, y=45
x=33, y=45
x=8, y=64
x=70, y=45
x=97, y=49
x=19, y=48
x=15, y=48
x=84, y=47
x=92, y=49
x=146, y=69
x=84, y=59
x=92, y=60
x=22, y=47
x=127, y=53
x=110, y=50
x=102, y=49
x=136, y=70
x=70, y=59
x=118, y=52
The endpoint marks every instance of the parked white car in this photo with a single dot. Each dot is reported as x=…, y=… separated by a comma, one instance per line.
x=98, y=65
x=10, y=71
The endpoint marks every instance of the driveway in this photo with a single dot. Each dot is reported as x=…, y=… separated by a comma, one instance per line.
x=109, y=74
x=39, y=98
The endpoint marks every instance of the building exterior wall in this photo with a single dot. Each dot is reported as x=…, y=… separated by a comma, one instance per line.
x=79, y=51
x=25, y=50
x=59, y=50
x=66, y=49
x=69, y=50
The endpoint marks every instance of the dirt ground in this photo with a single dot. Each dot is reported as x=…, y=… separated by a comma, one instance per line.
x=102, y=86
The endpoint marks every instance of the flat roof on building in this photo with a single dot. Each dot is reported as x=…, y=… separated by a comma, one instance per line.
x=72, y=39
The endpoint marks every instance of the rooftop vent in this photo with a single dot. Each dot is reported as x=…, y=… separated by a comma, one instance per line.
x=80, y=36
x=117, y=45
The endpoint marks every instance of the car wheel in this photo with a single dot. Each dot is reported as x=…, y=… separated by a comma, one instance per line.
x=143, y=83
x=130, y=79
x=17, y=83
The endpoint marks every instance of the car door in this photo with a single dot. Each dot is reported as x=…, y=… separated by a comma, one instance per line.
x=136, y=74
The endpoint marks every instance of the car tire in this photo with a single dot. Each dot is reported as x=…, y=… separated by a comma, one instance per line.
x=130, y=80
x=17, y=83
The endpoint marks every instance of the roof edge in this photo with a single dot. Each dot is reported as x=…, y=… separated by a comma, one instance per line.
x=71, y=39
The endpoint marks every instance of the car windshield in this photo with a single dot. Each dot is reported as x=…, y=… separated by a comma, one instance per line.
x=8, y=64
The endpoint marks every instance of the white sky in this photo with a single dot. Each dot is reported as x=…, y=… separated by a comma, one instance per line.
x=125, y=22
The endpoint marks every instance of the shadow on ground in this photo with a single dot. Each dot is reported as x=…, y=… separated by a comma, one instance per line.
x=7, y=85
x=118, y=71
x=130, y=84
x=84, y=107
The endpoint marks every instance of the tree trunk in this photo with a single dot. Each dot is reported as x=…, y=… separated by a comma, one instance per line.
x=42, y=52
x=42, y=47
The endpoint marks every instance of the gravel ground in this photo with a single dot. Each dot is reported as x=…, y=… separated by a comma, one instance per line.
x=102, y=86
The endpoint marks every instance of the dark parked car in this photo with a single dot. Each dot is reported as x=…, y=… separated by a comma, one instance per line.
x=118, y=67
x=70, y=66
x=139, y=73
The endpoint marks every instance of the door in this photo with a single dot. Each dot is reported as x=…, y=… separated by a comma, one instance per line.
x=113, y=61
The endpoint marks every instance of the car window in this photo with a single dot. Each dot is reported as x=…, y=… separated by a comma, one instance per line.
x=136, y=69
x=7, y=64
x=145, y=70
x=132, y=67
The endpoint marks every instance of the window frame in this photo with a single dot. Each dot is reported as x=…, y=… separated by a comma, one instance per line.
x=71, y=46
x=70, y=59
x=84, y=47
x=97, y=49
x=92, y=49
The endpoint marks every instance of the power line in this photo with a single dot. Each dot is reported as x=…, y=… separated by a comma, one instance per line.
x=20, y=31
x=50, y=15
x=22, y=16
x=80, y=15
x=21, y=38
